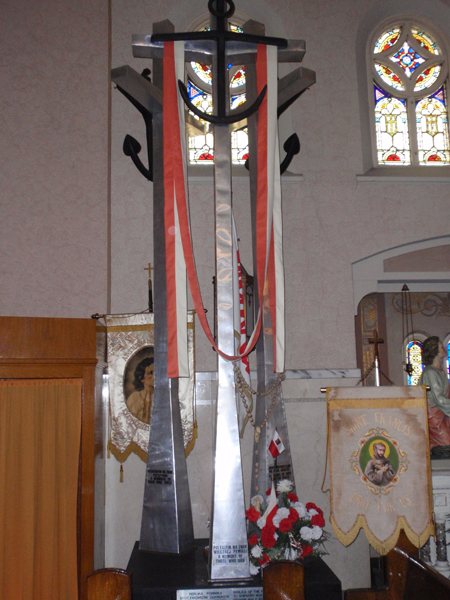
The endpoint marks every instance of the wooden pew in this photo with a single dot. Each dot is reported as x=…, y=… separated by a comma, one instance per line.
x=407, y=578
x=109, y=584
x=284, y=580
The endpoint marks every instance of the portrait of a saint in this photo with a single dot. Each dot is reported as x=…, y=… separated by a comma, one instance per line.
x=139, y=384
x=379, y=469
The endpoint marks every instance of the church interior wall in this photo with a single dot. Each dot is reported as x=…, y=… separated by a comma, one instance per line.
x=54, y=158
x=66, y=252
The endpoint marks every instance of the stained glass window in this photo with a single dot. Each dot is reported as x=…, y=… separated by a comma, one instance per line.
x=448, y=359
x=201, y=147
x=391, y=124
x=410, y=97
x=414, y=358
x=432, y=128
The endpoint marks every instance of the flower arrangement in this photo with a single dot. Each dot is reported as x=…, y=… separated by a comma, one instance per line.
x=283, y=528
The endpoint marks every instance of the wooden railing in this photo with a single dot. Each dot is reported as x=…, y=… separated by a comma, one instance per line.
x=407, y=578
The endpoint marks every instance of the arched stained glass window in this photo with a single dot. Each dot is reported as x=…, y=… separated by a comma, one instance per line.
x=201, y=147
x=432, y=128
x=414, y=358
x=448, y=359
x=409, y=69
x=391, y=124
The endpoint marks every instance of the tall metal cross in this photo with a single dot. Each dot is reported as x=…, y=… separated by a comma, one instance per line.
x=228, y=558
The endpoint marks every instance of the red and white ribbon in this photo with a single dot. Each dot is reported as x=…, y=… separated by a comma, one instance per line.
x=177, y=230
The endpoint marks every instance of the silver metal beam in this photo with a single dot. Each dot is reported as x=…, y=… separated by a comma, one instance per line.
x=228, y=543
x=142, y=90
x=228, y=554
x=294, y=83
x=263, y=462
x=166, y=524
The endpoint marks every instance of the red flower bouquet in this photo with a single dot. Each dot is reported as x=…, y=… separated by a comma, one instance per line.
x=282, y=528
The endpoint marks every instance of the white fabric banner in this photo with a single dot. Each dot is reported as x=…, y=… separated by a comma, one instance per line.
x=380, y=474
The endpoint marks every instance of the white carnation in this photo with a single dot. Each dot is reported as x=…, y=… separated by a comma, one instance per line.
x=312, y=512
x=307, y=533
x=316, y=533
x=284, y=486
x=256, y=551
x=282, y=513
x=254, y=570
x=300, y=508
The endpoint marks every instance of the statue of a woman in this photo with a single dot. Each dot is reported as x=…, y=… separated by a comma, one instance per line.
x=433, y=354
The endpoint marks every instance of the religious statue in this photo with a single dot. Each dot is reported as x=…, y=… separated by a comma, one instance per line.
x=433, y=376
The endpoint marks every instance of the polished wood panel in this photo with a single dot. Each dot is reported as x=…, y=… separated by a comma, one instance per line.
x=407, y=578
x=284, y=580
x=109, y=584
x=41, y=348
x=41, y=338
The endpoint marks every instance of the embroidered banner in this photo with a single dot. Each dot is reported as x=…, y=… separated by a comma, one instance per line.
x=380, y=474
x=130, y=369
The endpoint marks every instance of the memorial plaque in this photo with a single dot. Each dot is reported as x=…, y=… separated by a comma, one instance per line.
x=229, y=554
x=160, y=476
x=246, y=593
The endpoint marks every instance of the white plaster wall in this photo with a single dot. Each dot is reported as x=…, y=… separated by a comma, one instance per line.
x=54, y=158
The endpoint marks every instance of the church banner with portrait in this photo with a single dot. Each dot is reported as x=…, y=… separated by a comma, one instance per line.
x=380, y=474
x=130, y=357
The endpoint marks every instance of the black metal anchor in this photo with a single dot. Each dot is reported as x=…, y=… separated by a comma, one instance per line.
x=291, y=146
x=131, y=147
x=221, y=36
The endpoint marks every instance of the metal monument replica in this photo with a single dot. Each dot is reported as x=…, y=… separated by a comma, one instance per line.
x=167, y=518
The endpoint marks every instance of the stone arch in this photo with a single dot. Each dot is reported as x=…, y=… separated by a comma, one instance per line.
x=422, y=265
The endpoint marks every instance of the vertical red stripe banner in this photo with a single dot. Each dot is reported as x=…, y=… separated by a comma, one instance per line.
x=176, y=220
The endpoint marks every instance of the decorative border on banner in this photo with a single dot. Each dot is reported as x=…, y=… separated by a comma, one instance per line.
x=382, y=547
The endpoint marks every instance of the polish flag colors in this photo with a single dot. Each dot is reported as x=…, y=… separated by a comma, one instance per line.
x=178, y=243
x=276, y=446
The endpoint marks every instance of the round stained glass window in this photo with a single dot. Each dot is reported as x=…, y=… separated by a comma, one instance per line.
x=407, y=59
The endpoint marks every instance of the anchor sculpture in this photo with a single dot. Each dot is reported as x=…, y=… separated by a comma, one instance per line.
x=167, y=520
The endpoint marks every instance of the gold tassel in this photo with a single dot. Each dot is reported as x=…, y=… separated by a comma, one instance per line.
x=121, y=473
x=191, y=444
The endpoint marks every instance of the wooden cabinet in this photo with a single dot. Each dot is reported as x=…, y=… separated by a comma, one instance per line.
x=44, y=348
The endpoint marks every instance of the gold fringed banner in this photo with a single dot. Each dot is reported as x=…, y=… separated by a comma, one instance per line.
x=380, y=474
x=130, y=357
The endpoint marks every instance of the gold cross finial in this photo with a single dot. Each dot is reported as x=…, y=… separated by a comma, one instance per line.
x=375, y=340
x=149, y=269
x=150, y=291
